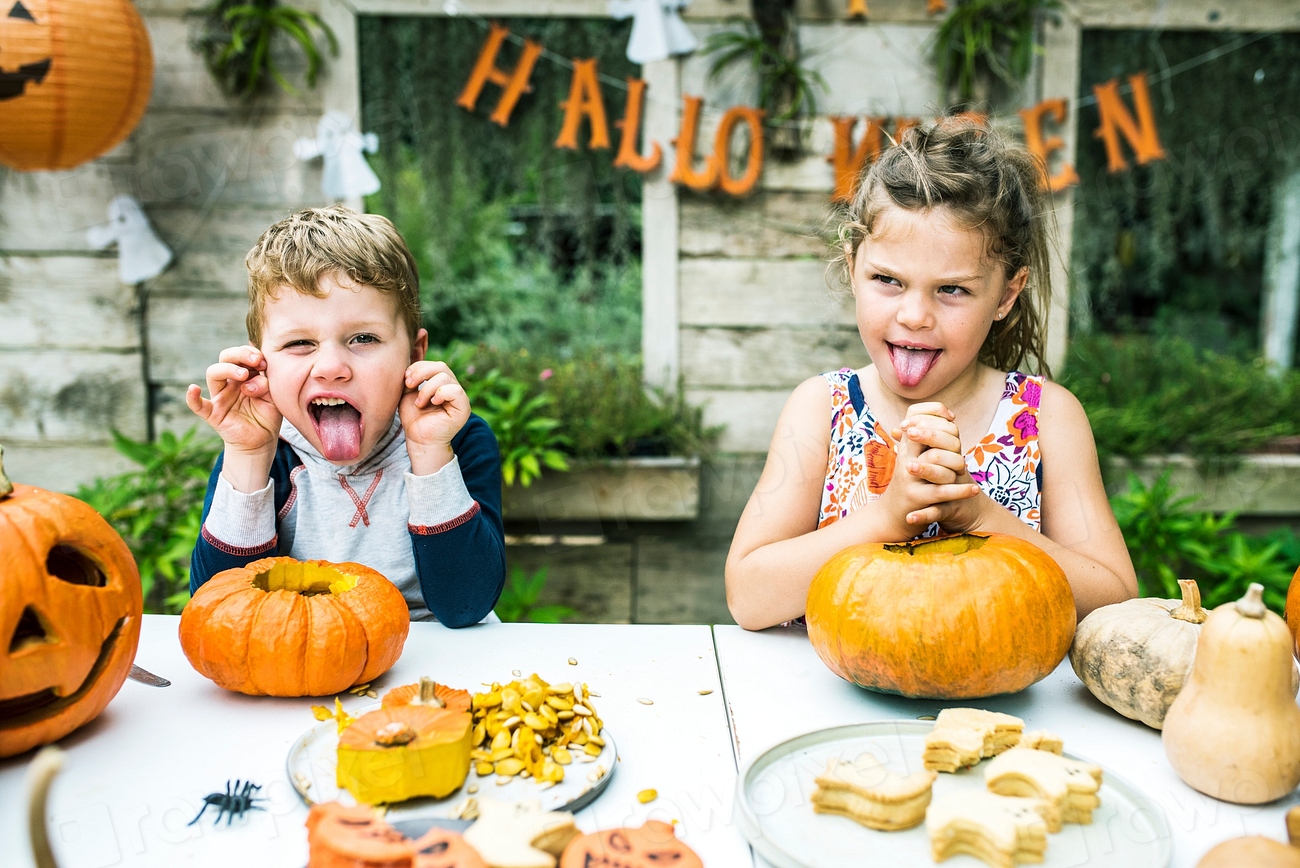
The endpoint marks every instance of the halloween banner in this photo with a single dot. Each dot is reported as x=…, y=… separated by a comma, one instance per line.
x=699, y=168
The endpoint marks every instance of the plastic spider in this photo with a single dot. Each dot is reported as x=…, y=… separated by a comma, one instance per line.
x=234, y=802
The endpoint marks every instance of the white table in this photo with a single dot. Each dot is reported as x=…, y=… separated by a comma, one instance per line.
x=135, y=777
x=777, y=688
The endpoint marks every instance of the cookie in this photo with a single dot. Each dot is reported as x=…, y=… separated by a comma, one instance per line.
x=1041, y=739
x=963, y=736
x=867, y=792
x=1069, y=786
x=1002, y=831
x=519, y=834
x=355, y=837
x=654, y=845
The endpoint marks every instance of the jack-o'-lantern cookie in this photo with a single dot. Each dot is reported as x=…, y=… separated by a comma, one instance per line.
x=355, y=837
x=654, y=845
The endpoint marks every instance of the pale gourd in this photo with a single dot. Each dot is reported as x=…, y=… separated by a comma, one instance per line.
x=1134, y=656
x=1257, y=851
x=1233, y=732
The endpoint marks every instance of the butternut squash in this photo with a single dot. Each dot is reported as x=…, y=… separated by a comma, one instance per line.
x=1233, y=732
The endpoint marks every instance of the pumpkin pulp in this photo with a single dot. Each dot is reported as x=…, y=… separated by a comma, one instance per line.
x=379, y=769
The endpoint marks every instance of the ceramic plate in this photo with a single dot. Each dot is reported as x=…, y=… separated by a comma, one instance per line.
x=776, y=813
x=313, y=762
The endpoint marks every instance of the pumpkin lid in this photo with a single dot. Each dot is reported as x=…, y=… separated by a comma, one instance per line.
x=428, y=692
x=374, y=730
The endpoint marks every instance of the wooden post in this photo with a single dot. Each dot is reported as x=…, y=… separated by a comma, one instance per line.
x=660, y=336
x=1282, y=273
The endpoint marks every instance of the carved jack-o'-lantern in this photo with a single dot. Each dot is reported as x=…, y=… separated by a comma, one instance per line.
x=654, y=845
x=75, y=77
x=70, y=609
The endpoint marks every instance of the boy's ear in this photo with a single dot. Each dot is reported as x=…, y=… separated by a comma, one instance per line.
x=420, y=346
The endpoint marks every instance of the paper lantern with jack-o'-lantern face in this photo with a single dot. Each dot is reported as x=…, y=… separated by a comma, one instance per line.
x=70, y=609
x=75, y=77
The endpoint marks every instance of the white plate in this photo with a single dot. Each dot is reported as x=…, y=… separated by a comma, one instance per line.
x=776, y=813
x=313, y=763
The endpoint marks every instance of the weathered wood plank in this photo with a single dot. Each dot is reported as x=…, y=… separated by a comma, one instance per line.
x=660, y=236
x=59, y=466
x=73, y=302
x=722, y=358
x=57, y=395
x=1189, y=14
x=198, y=273
x=767, y=225
x=187, y=334
x=52, y=210
x=750, y=415
x=761, y=292
x=204, y=159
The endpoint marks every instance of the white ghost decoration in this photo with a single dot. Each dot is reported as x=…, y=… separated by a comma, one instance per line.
x=141, y=254
x=658, y=31
x=346, y=174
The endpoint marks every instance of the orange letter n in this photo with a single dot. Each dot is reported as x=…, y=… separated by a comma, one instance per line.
x=515, y=83
x=1115, y=119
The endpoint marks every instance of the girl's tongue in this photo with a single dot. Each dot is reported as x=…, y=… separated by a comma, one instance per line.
x=339, y=428
x=911, y=365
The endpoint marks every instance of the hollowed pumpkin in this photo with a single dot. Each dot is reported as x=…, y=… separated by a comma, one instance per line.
x=281, y=627
x=956, y=617
x=70, y=607
x=654, y=845
x=398, y=753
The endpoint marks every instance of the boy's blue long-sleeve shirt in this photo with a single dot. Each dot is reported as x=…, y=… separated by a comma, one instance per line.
x=438, y=538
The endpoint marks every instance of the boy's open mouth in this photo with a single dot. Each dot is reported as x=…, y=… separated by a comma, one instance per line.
x=912, y=363
x=338, y=425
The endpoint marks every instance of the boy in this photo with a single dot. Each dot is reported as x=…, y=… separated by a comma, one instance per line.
x=341, y=442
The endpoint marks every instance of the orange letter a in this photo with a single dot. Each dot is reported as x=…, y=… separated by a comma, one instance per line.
x=1115, y=119
x=515, y=83
x=584, y=99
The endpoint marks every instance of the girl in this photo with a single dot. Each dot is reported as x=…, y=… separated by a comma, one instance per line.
x=945, y=250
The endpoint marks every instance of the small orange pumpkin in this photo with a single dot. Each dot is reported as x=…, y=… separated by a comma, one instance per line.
x=398, y=753
x=343, y=837
x=654, y=845
x=427, y=692
x=1293, y=610
x=70, y=607
x=281, y=627
x=955, y=617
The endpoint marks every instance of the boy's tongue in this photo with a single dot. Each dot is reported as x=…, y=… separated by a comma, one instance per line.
x=911, y=365
x=339, y=428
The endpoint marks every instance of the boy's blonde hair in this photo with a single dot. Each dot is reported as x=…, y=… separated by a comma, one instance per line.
x=314, y=242
x=988, y=185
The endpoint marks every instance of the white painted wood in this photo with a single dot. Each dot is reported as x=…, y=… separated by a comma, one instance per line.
x=1059, y=76
x=814, y=698
x=1248, y=484
x=62, y=466
x=50, y=211
x=1282, y=273
x=131, y=781
x=660, y=353
x=72, y=303
x=767, y=357
x=62, y=395
x=187, y=334
x=772, y=225
x=750, y=415
x=614, y=492
x=762, y=292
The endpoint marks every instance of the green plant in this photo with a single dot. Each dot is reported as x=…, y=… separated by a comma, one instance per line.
x=518, y=600
x=158, y=510
x=236, y=39
x=979, y=38
x=1168, y=540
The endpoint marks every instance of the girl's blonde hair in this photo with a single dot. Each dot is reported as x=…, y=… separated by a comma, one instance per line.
x=314, y=242
x=988, y=184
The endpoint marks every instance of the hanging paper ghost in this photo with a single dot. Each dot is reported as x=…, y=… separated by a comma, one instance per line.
x=658, y=31
x=346, y=174
x=141, y=254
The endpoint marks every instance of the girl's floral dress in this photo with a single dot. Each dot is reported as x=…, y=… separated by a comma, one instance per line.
x=1005, y=463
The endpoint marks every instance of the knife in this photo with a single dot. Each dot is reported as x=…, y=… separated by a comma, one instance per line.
x=144, y=676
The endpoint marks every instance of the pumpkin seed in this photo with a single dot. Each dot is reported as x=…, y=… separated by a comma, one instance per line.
x=644, y=701
x=514, y=672
x=562, y=687
x=503, y=780
x=582, y=710
x=561, y=755
x=592, y=749
x=564, y=715
x=483, y=769
x=372, y=694
x=510, y=722
x=471, y=789
x=510, y=766
x=704, y=692
x=645, y=797
x=573, y=662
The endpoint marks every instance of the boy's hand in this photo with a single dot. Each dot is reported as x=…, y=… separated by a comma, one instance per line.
x=933, y=481
x=433, y=410
x=240, y=408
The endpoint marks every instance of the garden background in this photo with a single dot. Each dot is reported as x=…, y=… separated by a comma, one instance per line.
x=560, y=285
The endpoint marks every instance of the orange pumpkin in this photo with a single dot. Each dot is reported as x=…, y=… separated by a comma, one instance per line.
x=1293, y=610
x=70, y=607
x=956, y=617
x=398, y=753
x=75, y=77
x=427, y=692
x=343, y=837
x=281, y=627
x=654, y=845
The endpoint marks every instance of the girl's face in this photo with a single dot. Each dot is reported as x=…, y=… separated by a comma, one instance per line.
x=926, y=295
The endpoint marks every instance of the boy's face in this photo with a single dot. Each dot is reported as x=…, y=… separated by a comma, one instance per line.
x=335, y=365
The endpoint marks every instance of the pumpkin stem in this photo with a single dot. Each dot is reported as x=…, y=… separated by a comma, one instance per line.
x=1190, y=611
x=429, y=693
x=1252, y=605
x=6, y=487
x=395, y=734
